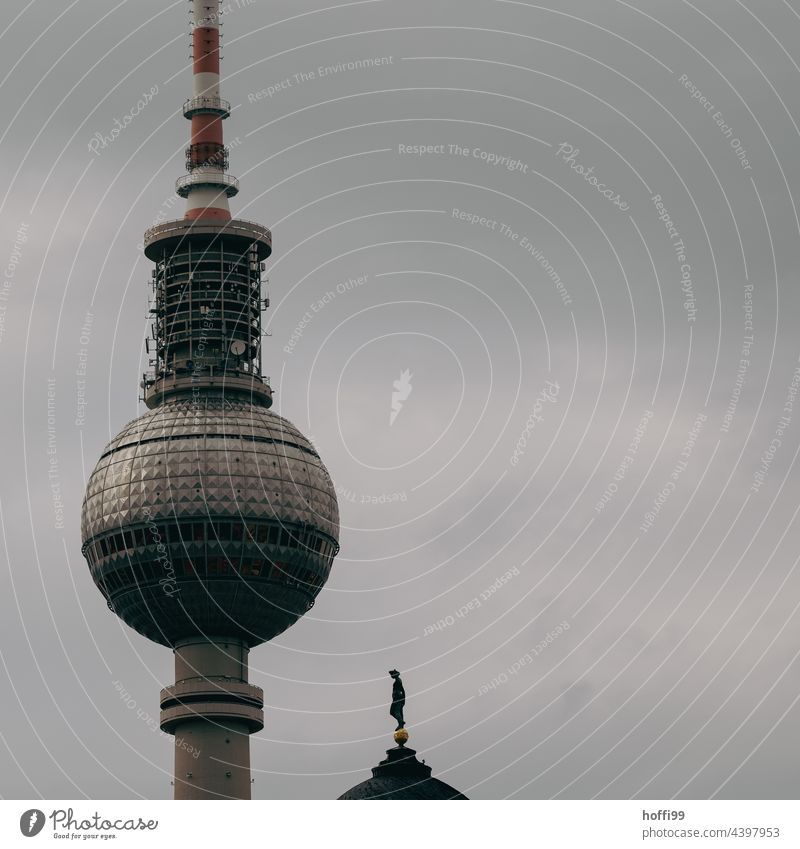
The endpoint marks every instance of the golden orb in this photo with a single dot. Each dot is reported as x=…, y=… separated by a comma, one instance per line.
x=401, y=736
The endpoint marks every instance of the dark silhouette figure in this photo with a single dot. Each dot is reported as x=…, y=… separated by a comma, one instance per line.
x=398, y=700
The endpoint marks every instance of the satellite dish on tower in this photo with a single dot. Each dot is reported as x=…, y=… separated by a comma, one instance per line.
x=238, y=347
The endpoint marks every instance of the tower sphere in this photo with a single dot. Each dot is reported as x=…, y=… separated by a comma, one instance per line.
x=210, y=516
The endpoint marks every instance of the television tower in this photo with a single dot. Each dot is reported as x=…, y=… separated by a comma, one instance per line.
x=210, y=523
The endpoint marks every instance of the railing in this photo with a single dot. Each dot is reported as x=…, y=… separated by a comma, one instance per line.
x=203, y=177
x=204, y=103
x=181, y=225
x=199, y=686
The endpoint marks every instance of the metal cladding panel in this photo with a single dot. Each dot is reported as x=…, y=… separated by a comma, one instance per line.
x=209, y=457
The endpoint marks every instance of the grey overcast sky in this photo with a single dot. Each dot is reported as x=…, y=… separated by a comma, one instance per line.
x=576, y=225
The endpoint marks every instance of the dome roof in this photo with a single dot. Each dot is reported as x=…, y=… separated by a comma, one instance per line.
x=402, y=776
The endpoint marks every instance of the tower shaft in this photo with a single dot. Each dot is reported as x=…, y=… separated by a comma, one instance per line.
x=212, y=710
x=207, y=338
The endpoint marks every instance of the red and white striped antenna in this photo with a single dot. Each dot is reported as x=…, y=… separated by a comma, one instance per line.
x=207, y=186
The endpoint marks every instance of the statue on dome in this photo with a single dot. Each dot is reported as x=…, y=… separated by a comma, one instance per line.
x=398, y=700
